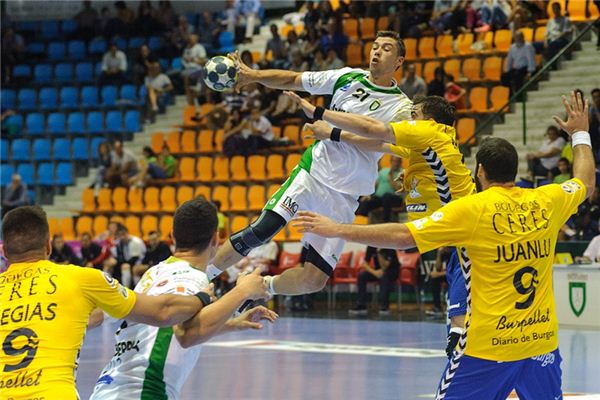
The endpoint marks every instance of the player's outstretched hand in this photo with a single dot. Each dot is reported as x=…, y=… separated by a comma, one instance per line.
x=308, y=108
x=310, y=222
x=250, y=319
x=245, y=73
x=577, y=114
x=319, y=130
x=252, y=285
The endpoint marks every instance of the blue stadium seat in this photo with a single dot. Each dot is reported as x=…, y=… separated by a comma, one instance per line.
x=225, y=42
x=35, y=124
x=69, y=97
x=49, y=29
x=98, y=69
x=128, y=93
x=84, y=72
x=56, y=51
x=76, y=123
x=121, y=43
x=27, y=99
x=64, y=174
x=63, y=73
x=36, y=48
x=132, y=121
x=143, y=94
x=95, y=122
x=8, y=97
x=28, y=26
x=176, y=63
x=31, y=194
x=3, y=150
x=81, y=149
x=97, y=46
x=136, y=42
x=57, y=123
x=20, y=150
x=41, y=150
x=61, y=150
x=22, y=71
x=164, y=64
x=7, y=173
x=68, y=26
x=42, y=73
x=76, y=50
x=48, y=98
x=114, y=122
x=109, y=96
x=155, y=43
x=27, y=173
x=191, y=19
x=89, y=97
x=14, y=124
x=45, y=174
x=94, y=146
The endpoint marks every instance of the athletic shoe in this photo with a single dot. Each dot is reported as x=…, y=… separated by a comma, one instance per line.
x=435, y=312
x=384, y=311
x=358, y=310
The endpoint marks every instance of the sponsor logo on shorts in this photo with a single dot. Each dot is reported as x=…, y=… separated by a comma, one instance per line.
x=420, y=207
x=545, y=359
x=289, y=205
x=110, y=280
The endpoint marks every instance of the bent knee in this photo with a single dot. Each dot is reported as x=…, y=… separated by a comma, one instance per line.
x=314, y=279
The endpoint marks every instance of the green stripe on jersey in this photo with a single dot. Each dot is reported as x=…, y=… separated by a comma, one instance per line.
x=154, y=387
x=362, y=78
x=277, y=195
x=346, y=78
x=369, y=85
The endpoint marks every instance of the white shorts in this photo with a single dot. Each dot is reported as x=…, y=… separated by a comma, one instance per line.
x=302, y=192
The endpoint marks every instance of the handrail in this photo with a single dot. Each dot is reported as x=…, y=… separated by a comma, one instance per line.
x=531, y=81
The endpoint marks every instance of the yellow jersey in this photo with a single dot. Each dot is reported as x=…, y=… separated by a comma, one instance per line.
x=44, y=310
x=436, y=173
x=507, y=238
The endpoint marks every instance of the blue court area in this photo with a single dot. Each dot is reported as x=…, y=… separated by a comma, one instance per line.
x=310, y=358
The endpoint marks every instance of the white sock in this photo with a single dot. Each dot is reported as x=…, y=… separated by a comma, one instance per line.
x=126, y=277
x=212, y=272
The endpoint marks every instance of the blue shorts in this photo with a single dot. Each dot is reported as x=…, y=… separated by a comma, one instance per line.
x=457, y=291
x=536, y=378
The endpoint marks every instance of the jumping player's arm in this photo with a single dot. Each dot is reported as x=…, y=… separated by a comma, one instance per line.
x=273, y=78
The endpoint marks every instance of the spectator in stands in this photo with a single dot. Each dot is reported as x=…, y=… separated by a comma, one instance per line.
x=385, y=270
x=193, y=60
x=222, y=221
x=13, y=52
x=159, y=88
x=15, y=195
x=262, y=257
x=232, y=138
x=310, y=42
x=325, y=14
x=558, y=32
x=333, y=61
x=591, y=253
x=311, y=16
x=142, y=61
x=413, y=85
x=494, y=14
x=520, y=63
x=179, y=36
x=283, y=108
x=259, y=131
x=297, y=63
x=278, y=49
x=146, y=22
x=125, y=19
x=62, y=253
x=544, y=162
x=520, y=17
x=595, y=121
x=210, y=29
x=156, y=252
x=445, y=15
x=114, y=67
x=154, y=167
x=166, y=16
x=385, y=192
x=454, y=93
x=86, y=21
x=104, y=164
x=319, y=62
x=437, y=87
x=564, y=168
x=294, y=44
x=246, y=12
x=335, y=38
x=437, y=277
x=127, y=252
x=106, y=24
x=92, y=253
x=123, y=166
x=248, y=59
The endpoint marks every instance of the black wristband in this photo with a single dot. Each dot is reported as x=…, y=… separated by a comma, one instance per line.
x=336, y=134
x=318, y=113
x=204, y=298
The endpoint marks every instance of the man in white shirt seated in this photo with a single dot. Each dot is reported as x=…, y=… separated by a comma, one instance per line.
x=558, y=32
x=127, y=253
x=193, y=60
x=114, y=66
x=159, y=88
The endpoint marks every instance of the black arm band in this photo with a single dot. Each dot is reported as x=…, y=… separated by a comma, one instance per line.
x=204, y=298
x=336, y=134
x=318, y=113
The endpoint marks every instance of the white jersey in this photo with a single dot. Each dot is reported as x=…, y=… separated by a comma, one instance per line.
x=148, y=362
x=343, y=166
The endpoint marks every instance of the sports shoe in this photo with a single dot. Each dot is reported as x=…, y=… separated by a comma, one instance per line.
x=384, y=311
x=435, y=312
x=358, y=310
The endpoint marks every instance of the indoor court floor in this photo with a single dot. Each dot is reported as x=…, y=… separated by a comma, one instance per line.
x=313, y=358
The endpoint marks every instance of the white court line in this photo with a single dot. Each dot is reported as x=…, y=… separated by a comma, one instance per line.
x=575, y=396
x=310, y=347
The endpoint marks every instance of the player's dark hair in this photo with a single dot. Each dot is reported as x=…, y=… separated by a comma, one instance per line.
x=396, y=36
x=194, y=225
x=436, y=108
x=25, y=229
x=594, y=91
x=499, y=158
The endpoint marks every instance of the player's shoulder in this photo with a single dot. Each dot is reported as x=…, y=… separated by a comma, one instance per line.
x=569, y=187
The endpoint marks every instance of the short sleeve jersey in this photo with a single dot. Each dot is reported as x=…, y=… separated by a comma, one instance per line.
x=510, y=236
x=44, y=310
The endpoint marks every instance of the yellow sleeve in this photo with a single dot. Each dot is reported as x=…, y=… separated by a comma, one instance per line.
x=414, y=135
x=446, y=226
x=400, y=151
x=569, y=195
x=106, y=292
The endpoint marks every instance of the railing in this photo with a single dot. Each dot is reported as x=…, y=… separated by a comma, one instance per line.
x=520, y=94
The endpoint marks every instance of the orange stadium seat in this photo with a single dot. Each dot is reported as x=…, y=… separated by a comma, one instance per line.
x=427, y=47
x=132, y=223
x=465, y=128
x=418, y=68
x=275, y=167
x=238, y=223
x=238, y=198
x=385, y=161
x=350, y=26
x=452, y=67
x=221, y=169
x=383, y=23
x=173, y=142
x=478, y=99
x=280, y=236
x=119, y=199
x=188, y=113
x=444, y=46
x=367, y=28
x=527, y=34
x=67, y=229
x=83, y=225
x=256, y=168
x=472, y=69
x=429, y=70
x=221, y=193
x=540, y=34
x=157, y=142
x=492, y=68
x=89, y=200
x=354, y=54
x=187, y=168
x=256, y=197
x=237, y=166
x=54, y=226
x=135, y=199
x=503, y=40
x=188, y=142
x=272, y=189
x=151, y=199
x=167, y=199
x=276, y=131
x=99, y=225
x=577, y=11
x=291, y=132
x=184, y=193
x=367, y=52
x=283, y=31
x=204, y=169
x=411, y=49
x=488, y=39
x=291, y=161
x=293, y=234
x=104, y=202
x=499, y=97
x=205, y=141
x=464, y=42
x=165, y=227
x=203, y=191
x=149, y=224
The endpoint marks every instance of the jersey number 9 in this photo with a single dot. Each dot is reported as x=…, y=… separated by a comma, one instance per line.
x=525, y=281
x=29, y=348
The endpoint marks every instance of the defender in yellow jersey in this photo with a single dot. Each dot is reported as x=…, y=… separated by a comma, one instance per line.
x=44, y=310
x=507, y=237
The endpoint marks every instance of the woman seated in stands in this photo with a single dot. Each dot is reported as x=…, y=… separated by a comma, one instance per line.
x=544, y=162
x=153, y=166
x=454, y=93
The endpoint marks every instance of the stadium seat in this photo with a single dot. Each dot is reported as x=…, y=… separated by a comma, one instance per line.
x=27, y=173
x=81, y=149
x=76, y=123
x=98, y=69
x=204, y=169
x=472, y=69
x=291, y=132
x=8, y=98
x=187, y=171
x=429, y=70
x=3, y=150
x=219, y=133
x=36, y=49
x=89, y=97
x=22, y=71
x=478, y=99
x=27, y=99
x=167, y=199
x=225, y=41
x=350, y=26
x=132, y=223
x=132, y=121
x=21, y=150
x=366, y=53
x=527, y=34
x=188, y=142
x=540, y=34
x=354, y=54
x=97, y=46
x=367, y=28
x=157, y=141
x=84, y=72
x=275, y=167
x=174, y=142
x=184, y=193
x=427, y=47
x=444, y=46
x=205, y=141
x=119, y=199
x=114, y=121
x=135, y=199
x=57, y=123
x=256, y=197
x=155, y=43
x=502, y=40
x=66, y=228
x=291, y=161
x=68, y=26
x=492, y=68
x=136, y=42
x=64, y=174
x=48, y=98
x=88, y=199
x=100, y=224
x=452, y=67
x=221, y=193
x=41, y=150
x=176, y=63
x=164, y=64
x=465, y=128
x=7, y=173
x=488, y=40
x=221, y=169
x=202, y=191
x=49, y=29
x=96, y=142
x=69, y=97
x=61, y=150
x=108, y=95
x=56, y=51
x=53, y=227
x=293, y=233
x=577, y=11
x=63, y=73
x=237, y=166
x=45, y=174
x=165, y=227
x=35, y=123
x=499, y=97
x=105, y=200
x=238, y=223
x=411, y=49
x=149, y=224
x=14, y=124
x=464, y=41
x=256, y=167
x=84, y=225
x=128, y=93
x=238, y=198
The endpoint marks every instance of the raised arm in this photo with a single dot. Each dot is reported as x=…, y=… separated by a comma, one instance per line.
x=273, y=78
x=321, y=130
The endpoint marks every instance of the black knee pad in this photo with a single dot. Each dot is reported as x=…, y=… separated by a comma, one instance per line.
x=258, y=233
x=313, y=257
